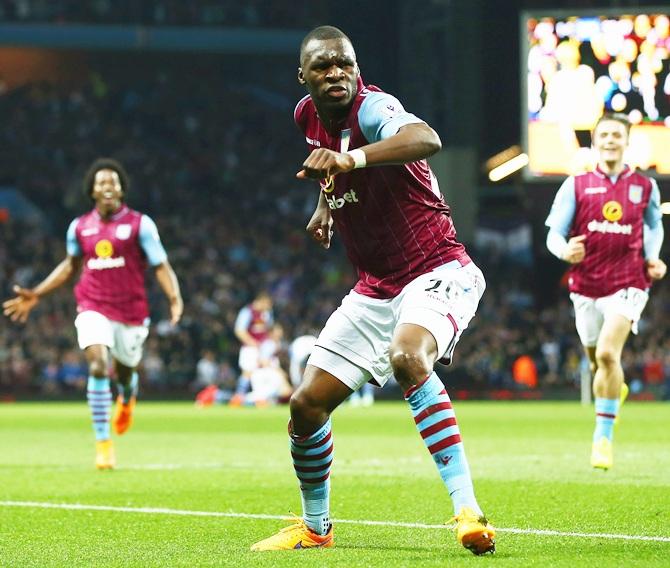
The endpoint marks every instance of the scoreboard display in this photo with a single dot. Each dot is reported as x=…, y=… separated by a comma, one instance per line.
x=577, y=66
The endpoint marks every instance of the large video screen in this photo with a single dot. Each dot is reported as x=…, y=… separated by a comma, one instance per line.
x=578, y=66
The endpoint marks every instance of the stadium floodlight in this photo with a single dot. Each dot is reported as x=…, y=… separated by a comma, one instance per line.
x=502, y=157
x=508, y=167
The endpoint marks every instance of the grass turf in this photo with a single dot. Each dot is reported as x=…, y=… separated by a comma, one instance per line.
x=529, y=462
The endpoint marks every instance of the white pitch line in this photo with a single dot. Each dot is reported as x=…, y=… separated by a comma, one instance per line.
x=181, y=512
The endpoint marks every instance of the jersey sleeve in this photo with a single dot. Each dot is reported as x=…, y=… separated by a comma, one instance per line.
x=652, y=213
x=71, y=242
x=653, y=226
x=243, y=319
x=652, y=241
x=563, y=209
x=556, y=243
x=150, y=241
x=381, y=116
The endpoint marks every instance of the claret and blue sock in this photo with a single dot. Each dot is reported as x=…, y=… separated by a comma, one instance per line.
x=436, y=422
x=312, y=458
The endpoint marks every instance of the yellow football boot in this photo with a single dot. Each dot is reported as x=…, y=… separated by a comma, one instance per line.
x=474, y=532
x=295, y=536
x=104, y=455
x=601, y=454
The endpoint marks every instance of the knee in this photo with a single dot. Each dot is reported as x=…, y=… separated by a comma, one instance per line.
x=409, y=367
x=607, y=357
x=98, y=368
x=302, y=405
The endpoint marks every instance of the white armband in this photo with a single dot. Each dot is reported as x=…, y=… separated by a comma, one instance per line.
x=359, y=157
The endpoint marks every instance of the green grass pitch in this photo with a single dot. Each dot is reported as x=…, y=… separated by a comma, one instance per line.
x=196, y=487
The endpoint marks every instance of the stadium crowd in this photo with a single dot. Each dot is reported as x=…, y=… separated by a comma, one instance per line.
x=251, y=13
x=214, y=166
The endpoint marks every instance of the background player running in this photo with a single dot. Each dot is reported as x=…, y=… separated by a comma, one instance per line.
x=607, y=225
x=112, y=245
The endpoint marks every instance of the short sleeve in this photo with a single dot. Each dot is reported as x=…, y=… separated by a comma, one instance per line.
x=381, y=116
x=563, y=209
x=71, y=243
x=150, y=242
x=652, y=213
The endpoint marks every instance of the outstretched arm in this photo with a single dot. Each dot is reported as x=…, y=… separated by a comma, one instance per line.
x=412, y=142
x=168, y=282
x=19, y=307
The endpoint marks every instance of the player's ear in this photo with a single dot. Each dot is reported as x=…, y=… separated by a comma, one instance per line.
x=301, y=76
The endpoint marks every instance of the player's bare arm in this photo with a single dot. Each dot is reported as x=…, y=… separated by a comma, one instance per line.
x=19, y=307
x=575, y=251
x=320, y=225
x=412, y=142
x=168, y=282
x=656, y=269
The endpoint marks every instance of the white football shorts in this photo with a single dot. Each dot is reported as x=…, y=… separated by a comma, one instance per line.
x=354, y=344
x=267, y=383
x=125, y=342
x=249, y=358
x=590, y=313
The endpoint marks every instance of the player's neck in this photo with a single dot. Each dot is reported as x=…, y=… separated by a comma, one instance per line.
x=611, y=168
x=107, y=213
x=332, y=122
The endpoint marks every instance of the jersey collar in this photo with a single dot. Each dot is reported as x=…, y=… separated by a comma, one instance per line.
x=627, y=171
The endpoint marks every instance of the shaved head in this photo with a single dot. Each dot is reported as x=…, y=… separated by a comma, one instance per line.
x=321, y=33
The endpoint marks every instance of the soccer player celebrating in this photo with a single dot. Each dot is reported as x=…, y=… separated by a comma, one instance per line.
x=607, y=225
x=112, y=245
x=417, y=287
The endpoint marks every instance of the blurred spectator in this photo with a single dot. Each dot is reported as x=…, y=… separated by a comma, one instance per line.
x=250, y=13
x=73, y=372
x=206, y=371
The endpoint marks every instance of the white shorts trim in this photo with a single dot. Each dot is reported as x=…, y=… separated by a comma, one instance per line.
x=347, y=372
x=125, y=342
x=590, y=313
x=361, y=329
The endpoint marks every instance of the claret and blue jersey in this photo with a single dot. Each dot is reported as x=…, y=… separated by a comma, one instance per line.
x=115, y=253
x=393, y=220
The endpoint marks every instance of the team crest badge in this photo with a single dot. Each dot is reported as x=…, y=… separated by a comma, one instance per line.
x=123, y=231
x=635, y=193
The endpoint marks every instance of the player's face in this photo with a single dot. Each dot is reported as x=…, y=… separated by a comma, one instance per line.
x=610, y=140
x=330, y=73
x=107, y=191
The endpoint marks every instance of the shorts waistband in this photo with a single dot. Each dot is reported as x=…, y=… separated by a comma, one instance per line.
x=451, y=264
